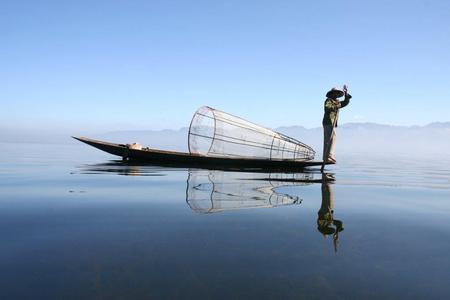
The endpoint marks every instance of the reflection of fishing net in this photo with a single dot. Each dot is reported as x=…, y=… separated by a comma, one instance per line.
x=215, y=133
x=215, y=191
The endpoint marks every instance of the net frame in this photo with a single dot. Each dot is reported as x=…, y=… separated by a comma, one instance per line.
x=218, y=134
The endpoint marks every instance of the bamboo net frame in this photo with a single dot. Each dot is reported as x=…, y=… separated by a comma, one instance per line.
x=216, y=133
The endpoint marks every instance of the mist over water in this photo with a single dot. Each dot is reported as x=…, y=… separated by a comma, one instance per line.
x=76, y=223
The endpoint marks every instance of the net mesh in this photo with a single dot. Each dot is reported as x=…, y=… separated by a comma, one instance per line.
x=216, y=191
x=216, y=133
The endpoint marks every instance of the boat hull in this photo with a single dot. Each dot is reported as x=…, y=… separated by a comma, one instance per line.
x=183, y=159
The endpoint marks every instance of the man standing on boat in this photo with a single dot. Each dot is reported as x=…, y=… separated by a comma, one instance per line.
x=329, y=122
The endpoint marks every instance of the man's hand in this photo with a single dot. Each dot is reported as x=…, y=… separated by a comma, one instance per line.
x=345, y=89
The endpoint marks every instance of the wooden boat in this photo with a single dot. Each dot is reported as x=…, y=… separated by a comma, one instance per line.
x=218, y=140
x=183, y=159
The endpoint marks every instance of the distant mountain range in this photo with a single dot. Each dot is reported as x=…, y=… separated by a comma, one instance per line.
x=433, y=138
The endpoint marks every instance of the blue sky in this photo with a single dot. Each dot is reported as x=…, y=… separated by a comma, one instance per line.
x=111, y=65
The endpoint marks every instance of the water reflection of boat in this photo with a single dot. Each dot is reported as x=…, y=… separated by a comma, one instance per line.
x=209, y=191
x=121, y=168
x=216, y=191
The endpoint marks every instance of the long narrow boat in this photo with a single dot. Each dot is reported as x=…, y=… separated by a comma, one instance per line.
x=218, y=140
x=183, y=159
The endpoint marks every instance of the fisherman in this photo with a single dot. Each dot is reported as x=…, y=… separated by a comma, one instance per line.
x=329, y=122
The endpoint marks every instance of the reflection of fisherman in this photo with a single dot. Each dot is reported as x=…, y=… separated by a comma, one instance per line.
x=326, y=223
x=330, y=118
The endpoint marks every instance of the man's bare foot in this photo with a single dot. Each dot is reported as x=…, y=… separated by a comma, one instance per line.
x=332, y=160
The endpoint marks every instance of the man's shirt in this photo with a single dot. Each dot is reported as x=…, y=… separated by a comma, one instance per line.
x=331, y=108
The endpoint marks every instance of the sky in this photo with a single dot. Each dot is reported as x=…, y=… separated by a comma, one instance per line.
x=128, y=65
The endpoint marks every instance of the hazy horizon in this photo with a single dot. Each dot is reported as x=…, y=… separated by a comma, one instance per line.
x=369, y=138
x=57, y=128
x=104, y=129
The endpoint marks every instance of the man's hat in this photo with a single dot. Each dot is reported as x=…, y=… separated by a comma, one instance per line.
x=335, y=92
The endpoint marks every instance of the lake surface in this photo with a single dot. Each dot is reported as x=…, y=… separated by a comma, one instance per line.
x=75, y=224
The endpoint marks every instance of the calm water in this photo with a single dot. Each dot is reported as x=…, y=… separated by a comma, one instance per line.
x=76, y=225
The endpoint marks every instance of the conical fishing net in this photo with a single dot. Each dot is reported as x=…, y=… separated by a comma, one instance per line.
x=216, y=133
